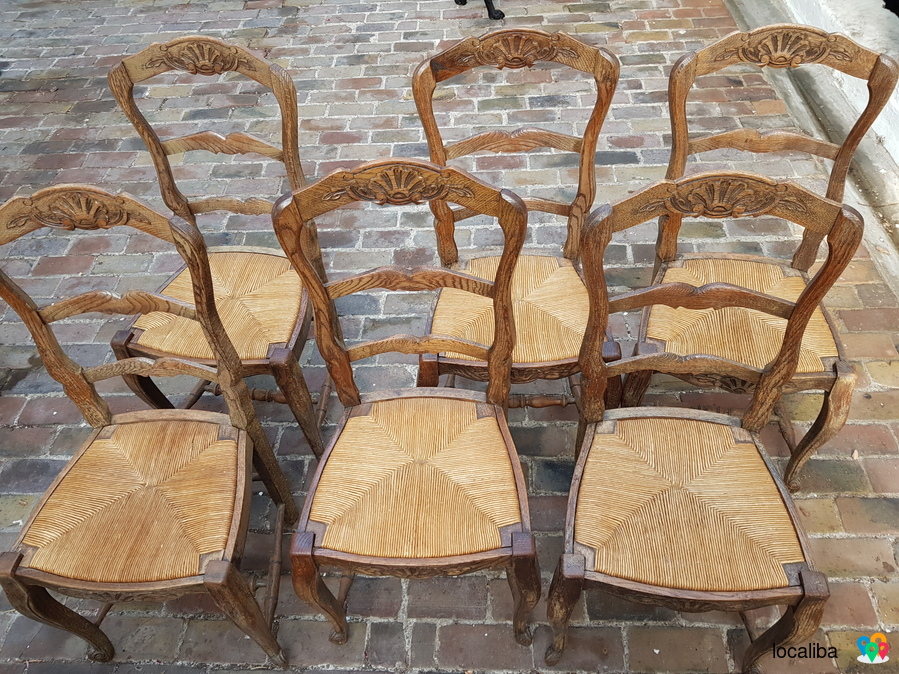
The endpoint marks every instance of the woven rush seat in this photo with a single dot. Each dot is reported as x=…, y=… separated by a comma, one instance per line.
x=258, y=297
x=144, y=501
x=439, y=487
x=679, y=503
x=739, y=334
x=549, y=303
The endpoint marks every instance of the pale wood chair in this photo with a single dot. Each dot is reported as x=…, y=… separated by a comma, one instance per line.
x=424, y=481
x=155, y=504
x=548, y=296
x=677, y=507
x=261, y=300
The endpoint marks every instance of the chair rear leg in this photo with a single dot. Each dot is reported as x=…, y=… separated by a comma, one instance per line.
x=290, y=380
x=797, y=624
x=428, y=371
x=309, y=586
x=36, y=603
x=831, y=419
x=523, y=575
x=567, y=583
x=232, y=594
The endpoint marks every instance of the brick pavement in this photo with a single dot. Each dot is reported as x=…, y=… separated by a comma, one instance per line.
x=352, y=62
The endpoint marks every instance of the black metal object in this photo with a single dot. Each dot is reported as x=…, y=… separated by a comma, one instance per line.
x=492, y=11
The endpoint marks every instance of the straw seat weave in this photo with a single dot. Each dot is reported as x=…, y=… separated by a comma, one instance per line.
x=141, y=505
x=744, y=335
x=678, y=503
x=417, y=478
x=549, y=302
x=257, y=296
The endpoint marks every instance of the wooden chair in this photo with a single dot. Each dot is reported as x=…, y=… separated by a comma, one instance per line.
x=155, y=504
x=677, y=507
x=262, y=303
x=740, y=335
x=777, y=46
x=424, y=481
x=549, y=299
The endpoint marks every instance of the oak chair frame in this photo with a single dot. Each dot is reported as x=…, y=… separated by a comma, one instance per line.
x=807, y=591
x=201, y=55
x=83, y=207
x=514, y=48
x=400, y=182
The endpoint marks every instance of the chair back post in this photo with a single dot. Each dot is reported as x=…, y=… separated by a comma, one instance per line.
x=725, y=195
x=516, y=48
x=403, y=182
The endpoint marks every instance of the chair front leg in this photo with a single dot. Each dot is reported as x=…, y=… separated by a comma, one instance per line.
x=565, y=590
x=428, y=371
x=309, y=586
x=831, y=419
x=797, y=624
x=523, y=575
x=231, y=593
x=34, y=602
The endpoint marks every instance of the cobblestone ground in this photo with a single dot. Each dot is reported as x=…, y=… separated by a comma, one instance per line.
x=352, y=62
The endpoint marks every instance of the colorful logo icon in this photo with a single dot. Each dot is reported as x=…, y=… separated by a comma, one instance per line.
x=874, y=649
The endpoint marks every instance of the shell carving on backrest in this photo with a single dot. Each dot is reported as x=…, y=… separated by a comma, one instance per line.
x=514, y=50
x=76, y=210
x=398, y=185
x=201, y=58
x=784, y=48
x=726, y=198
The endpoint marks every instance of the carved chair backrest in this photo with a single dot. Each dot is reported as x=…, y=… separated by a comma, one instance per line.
x=199, y=55
x=83, y=207
x=780, y=46
x=725, y=195
x=520, y=48
x=401, y=182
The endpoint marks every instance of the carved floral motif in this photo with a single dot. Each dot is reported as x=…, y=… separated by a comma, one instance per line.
x=201, y=58
x=728, y=383
x=398, y=185
x=75, y=210
x=786, y=49
x=515, y=50
x=726, y=198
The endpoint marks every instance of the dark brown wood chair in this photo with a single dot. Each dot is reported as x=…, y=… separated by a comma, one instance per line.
x=678, y=507
x=548, y=296
x=260, y=298
x=155, y=504
x=424, y=481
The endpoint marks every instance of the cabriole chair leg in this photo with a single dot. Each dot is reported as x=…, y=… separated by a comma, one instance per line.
x=309, y=586
x=35, y=602
x=565, y=590
x=523, y=575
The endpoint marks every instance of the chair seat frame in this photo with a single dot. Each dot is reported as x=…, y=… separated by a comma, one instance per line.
x=804, y=597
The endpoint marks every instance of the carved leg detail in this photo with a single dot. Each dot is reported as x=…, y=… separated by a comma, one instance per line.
x=289, y=376
x=797, y=624
x=523, y=575
x=567, y=583
x=309, y=586
x=831, y=419
x=428, y=371
x=231, y=593
x=143, y=387
x=34, y=602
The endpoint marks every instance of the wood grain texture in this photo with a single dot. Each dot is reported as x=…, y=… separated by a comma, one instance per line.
x=518, y=48
x=206, y=56
x=177, y=480
x=400, y=182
